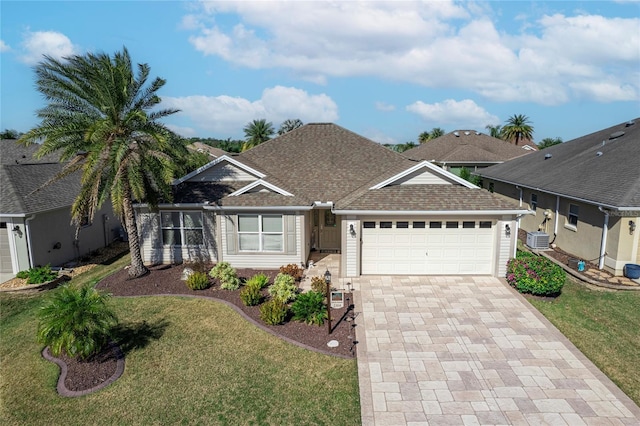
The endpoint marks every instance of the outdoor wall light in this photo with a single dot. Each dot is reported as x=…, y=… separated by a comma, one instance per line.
x=507, y=230
x=632, y=226
x=352, y=230
x=57, y=246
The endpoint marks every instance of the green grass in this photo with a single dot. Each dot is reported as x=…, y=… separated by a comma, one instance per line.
x=605, y=326
x=188, y=361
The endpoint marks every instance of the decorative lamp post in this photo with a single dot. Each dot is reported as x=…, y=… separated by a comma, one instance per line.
x=327, y=280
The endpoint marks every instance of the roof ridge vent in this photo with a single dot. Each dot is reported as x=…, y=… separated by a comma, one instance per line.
x=598, y=154
x=467, y=133
x=547, y=156
x=457, y=134
x=629, y=123
x=477, y=133
x=616, y=135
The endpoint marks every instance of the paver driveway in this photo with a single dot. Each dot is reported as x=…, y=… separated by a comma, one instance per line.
x=470, y=350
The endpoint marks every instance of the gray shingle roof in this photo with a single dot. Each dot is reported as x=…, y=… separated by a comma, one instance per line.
x=597, y=168
x=467, y=147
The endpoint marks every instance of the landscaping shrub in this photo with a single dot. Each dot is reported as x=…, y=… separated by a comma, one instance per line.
x=283, y=288
x=273, y=312
x=533, y=274
x=197, y=281
x=292, y=270
x=319, y=285
x=38, y=275
x=309, y=308
x=226, y=275
x=261, y=280
x=250, y=294
x=76, y=320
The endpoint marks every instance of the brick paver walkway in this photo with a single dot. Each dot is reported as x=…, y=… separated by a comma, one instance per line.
x=470, y=350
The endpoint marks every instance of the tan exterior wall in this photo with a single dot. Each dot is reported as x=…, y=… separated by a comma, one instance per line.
x=582, y=241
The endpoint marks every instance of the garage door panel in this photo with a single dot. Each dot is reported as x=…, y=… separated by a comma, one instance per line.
x=432, y=251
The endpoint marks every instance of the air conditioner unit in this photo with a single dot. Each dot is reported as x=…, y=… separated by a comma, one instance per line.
x=538, y=240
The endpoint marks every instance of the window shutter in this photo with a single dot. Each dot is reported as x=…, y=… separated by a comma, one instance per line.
x=231, y=234
x=290, y=239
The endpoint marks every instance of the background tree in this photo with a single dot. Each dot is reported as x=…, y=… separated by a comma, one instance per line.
x=517, y=128
x=257, y=132
x=401, y=147
x=547, y=142
x=102, y=117
x=9, y=134
x=436, y=132
x=289, y=125
x=494, y=131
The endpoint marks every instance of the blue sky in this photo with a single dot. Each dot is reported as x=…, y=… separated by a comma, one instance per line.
x=385, y=70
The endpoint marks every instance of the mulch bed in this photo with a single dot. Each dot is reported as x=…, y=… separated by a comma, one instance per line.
x=165, y=280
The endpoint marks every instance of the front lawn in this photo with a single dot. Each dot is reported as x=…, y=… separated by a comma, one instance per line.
x=188, y=361
x=605, y=326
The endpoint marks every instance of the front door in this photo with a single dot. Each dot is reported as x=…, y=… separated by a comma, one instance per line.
x=329, y=231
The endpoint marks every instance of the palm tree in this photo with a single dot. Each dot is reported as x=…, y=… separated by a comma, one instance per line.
x=289, y=125
x=77, y=321
x=436, y=132
x=547, y=142
x=102, y=118
x=518, y=128
x=256, y=132
x=494, y=131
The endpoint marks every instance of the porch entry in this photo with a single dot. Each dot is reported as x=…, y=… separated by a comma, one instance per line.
x=327, y=228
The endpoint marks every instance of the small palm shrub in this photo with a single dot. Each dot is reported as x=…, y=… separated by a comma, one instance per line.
x=261, y=280
x=529, y=273
x=309, y=308
x=293, y=270
x=198, y=281
x=226, y=275
x=38, y=275
x=77, y=321
x=319, y=285
x=250, y=294
x=283, y=288
x=273, y=312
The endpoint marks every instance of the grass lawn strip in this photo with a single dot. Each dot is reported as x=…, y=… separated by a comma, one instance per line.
x=605, y=326
x=194, y=362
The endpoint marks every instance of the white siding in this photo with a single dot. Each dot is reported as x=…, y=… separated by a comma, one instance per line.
x=505, y=246
x=223, y=171
x=422, y=177
x=264, y=260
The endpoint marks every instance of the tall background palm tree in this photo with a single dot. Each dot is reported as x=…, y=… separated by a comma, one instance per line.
x=436, y=132
x=102, y=118
x=494, y=131
x=257, y=132
x=289, y=125
x=547, y=142
x=517, y=128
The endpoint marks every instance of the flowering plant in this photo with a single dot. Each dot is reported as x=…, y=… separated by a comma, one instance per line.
x=529, y=273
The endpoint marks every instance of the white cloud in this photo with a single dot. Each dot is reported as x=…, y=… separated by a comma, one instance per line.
x=185, y=132
x=227, y=115
x=461, y=114
x=51, y=43
x=551, y=60
x=4, y=47
x=378, y=136
x=383, y=106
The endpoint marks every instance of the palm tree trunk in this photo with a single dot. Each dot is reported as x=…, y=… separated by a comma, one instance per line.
x=137, y=268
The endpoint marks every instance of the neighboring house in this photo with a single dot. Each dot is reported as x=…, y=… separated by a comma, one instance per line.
x=585, y=193
x=322, y=187
x=207, y=149
x=466, y=148
x=35, y=225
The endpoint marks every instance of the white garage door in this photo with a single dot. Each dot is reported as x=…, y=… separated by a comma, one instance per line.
x=435, y=247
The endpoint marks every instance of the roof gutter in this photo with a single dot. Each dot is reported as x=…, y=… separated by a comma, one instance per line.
x=433, y=212
x=258, y=208
x=608, y=206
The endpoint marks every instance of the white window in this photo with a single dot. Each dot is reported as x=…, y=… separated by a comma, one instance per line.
x=534, y=202
x=572, y=217
x=182, y=228
x=258, y=232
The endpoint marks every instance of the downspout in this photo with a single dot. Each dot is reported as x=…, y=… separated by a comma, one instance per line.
x=28, y=239
x=603, y=243
x=517, y=230
x=555, y=226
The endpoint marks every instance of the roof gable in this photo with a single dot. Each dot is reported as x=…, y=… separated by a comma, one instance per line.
x=424, y=173
x=223, y=168
x=260, y=186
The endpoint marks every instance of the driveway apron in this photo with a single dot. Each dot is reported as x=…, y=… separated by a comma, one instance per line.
x=471, y=350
